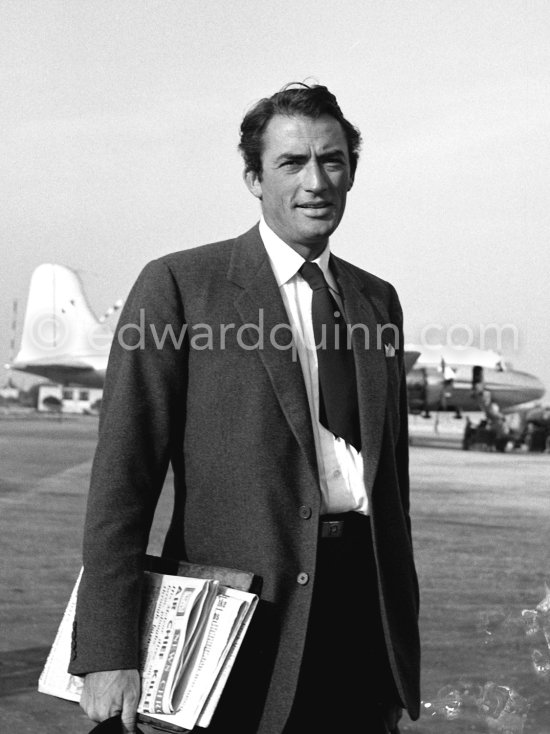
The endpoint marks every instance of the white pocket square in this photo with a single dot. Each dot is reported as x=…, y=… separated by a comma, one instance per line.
x=390, y=350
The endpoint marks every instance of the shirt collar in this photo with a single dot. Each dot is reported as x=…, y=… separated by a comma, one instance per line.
x=286, y=262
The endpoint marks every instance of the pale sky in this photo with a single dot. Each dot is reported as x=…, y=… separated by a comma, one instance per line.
x=119, y=129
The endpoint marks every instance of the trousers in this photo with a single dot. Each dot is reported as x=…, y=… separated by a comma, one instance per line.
x=346, y=685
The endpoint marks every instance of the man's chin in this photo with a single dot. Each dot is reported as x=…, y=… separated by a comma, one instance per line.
x=318, y=230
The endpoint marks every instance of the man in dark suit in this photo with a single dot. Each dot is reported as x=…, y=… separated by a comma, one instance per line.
x=288, y=446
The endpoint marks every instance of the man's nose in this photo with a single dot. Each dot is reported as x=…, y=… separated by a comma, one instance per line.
x=314, y=177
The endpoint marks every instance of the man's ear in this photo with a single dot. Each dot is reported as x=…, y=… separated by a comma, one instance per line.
x=350, y=184
x=253, y=183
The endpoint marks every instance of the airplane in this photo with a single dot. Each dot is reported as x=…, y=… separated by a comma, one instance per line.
x=65, y=342
x=467, y=380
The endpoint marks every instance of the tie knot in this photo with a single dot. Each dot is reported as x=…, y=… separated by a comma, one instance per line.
x=313, y=275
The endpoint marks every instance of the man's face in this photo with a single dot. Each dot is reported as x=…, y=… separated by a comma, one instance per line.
x=304, y=181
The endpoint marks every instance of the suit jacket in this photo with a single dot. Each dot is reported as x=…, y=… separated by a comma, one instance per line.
x=230, y=413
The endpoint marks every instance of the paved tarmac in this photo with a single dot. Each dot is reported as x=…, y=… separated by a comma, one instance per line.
x=45, y=464
x=481, y=523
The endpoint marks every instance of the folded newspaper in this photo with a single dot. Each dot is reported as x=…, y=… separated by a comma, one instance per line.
x=191, y=631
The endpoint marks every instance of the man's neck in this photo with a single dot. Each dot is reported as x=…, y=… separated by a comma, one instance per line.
x=309, y=251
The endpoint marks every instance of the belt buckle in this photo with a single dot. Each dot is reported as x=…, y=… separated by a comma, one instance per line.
x=332, y=528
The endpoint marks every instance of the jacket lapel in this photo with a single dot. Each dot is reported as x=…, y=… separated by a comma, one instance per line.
x=259, y=298
x=370, y=361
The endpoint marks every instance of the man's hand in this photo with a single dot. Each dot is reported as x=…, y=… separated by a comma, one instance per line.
x=111, y=692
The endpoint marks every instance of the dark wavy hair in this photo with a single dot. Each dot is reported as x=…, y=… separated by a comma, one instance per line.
x=295, y=98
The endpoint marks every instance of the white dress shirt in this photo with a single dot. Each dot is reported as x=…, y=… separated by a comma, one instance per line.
x=340, y=465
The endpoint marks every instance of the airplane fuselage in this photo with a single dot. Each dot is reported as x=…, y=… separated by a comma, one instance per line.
x=428, y=390
x=81, y=377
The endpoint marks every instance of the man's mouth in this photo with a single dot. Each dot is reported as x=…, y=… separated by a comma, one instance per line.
x=315, y=205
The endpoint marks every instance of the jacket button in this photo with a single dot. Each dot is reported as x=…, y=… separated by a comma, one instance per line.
x=305, y=512
x=303, y=578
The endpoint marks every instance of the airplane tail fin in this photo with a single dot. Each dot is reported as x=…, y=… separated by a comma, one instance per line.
x=58, y=319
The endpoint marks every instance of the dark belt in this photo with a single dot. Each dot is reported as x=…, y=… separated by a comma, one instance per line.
x=337, y=526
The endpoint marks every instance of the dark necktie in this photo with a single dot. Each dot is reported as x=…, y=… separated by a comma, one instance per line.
x=338, y=405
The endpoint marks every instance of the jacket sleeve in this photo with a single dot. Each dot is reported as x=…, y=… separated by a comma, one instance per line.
x=140, y=431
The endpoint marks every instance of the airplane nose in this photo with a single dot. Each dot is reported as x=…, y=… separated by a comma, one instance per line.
x=534, y=388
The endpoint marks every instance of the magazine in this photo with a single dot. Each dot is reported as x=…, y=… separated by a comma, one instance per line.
x=191, y=631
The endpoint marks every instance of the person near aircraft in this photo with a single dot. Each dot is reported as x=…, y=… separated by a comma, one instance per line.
x=274, y=472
